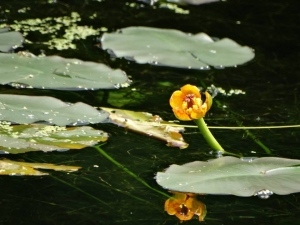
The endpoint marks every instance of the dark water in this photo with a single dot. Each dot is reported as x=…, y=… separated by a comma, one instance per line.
x=108, y=195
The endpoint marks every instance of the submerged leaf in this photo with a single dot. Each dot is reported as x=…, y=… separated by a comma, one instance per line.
x=8, y=167
x=230, y=175
x=29, y=109
x=175, y=48
x=9, y=40
x=40, y=137
x=25, y=70
x=148, y=124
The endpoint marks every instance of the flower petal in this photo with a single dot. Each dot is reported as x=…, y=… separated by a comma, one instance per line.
x=176, y=99
x=195, y=115
x=208, y=100
x=190, y=89
x=180, y=114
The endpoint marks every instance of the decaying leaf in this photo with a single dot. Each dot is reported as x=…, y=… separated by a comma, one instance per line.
x=148, y=124
x=40, y=137
x=8, y=167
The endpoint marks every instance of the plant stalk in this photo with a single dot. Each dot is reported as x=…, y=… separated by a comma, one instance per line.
x=208, y=135
x=210, y=139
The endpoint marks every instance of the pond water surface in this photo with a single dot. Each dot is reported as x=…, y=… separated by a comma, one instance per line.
x=101, y=192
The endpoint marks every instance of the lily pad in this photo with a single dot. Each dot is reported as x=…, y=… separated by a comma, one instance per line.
x=24, y=109
x=174, y=48
x=13, y=168
x=148, y=124
x=40, y=137
x=25, y=70
x=9, y=40
x=192, y=2
x=233, y=176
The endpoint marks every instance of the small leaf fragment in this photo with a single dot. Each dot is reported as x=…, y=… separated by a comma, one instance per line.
x=8, y=167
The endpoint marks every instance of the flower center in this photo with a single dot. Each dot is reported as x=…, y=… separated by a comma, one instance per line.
x=189, y=99
x=184, y=210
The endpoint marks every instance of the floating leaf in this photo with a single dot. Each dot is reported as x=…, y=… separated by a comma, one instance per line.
x=8, y=167
x=230, y=175
x=174, y=48
x=9, y=40
x=192, y=2
x=54, y=72
x=148, y=124
x=40, y=137
x=28, y=109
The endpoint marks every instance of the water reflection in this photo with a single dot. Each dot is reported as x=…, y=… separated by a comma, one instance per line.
x=184, y=206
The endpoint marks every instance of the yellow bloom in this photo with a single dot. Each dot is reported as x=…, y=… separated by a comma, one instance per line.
x=187, y=103
x=184, y=206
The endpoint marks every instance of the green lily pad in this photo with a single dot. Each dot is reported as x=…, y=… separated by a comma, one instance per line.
x=174, y=48
x=233, y=176
x=24, y=109
x=40, y=137
x=25, y=70
x=9, y=40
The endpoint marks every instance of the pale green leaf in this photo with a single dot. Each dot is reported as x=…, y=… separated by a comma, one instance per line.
x=25, y=70
x=174, y=48
x=230, y=175
x=9, y=40
x=25, y=109
x=192, y=2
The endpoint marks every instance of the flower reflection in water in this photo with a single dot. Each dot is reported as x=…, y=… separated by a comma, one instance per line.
x=184, y=206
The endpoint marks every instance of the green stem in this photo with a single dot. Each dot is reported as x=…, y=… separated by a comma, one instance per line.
x=208, y=135
x=210, y=138
x=127, y=170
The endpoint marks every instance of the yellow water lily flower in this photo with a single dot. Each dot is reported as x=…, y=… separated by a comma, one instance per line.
x=184, y=206
x=187, y=103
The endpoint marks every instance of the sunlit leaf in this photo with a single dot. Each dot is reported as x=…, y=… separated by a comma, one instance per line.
x=25, y=70
x=230, y=175
x=174, y=48
x=148, y=124
x=40, y=137
x=28, y=109
x=9, y=40
x=8, y=167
